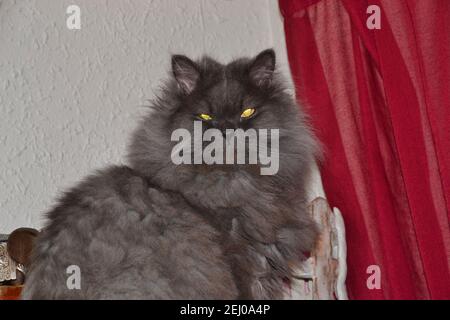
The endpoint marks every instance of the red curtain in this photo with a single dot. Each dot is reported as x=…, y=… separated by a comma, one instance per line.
x=379, y=100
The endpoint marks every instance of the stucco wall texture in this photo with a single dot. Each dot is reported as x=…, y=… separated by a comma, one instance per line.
x=70, y=98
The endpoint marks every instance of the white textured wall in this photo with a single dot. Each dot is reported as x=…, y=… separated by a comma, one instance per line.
x=70, y=98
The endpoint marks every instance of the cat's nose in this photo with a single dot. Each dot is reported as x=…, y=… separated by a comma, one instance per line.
x=224, y=125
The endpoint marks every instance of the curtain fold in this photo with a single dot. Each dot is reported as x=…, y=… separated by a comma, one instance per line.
x=379, y=101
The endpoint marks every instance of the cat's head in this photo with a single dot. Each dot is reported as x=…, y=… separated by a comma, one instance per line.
x=237, y=95
x=245, y=94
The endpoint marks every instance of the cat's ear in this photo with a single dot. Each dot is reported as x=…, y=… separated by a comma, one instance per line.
x=185, y=72
x=262, y=68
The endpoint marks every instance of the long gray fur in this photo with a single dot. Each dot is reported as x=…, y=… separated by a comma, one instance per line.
x=156, y=230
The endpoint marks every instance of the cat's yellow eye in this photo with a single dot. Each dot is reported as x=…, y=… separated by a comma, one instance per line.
x=205, y=116
x=247, y=112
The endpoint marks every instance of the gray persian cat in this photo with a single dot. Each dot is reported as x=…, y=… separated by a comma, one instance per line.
x=157, y=230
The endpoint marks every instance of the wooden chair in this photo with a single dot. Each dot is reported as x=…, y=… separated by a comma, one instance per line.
x=322, y=276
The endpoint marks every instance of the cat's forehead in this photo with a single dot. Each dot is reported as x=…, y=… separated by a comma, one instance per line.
x=224, y=83
x=214, y=71
x=226, y=90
